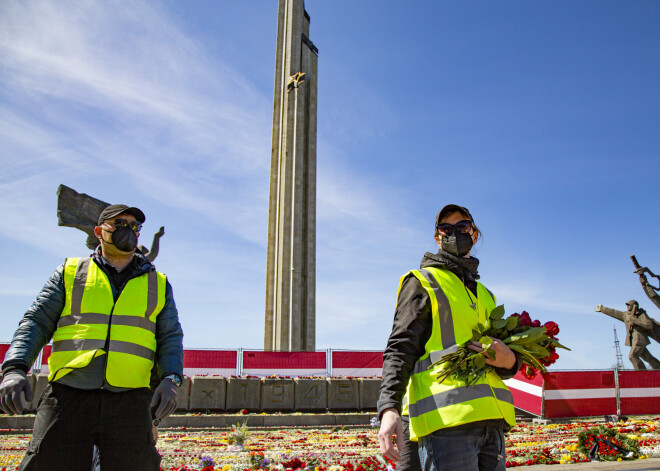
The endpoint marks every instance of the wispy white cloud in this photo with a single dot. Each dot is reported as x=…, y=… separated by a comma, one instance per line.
x=120, y=89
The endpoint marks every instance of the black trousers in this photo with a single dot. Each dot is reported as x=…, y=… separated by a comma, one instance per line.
x=408, y=449
x=70, y=421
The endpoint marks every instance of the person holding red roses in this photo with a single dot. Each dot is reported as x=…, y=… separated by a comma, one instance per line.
x=455, y=425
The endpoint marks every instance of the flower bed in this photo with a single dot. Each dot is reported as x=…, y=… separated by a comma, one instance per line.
x=351, y=448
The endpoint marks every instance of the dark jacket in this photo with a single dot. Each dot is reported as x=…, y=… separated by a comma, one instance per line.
x=37, y=326
x=412, y=329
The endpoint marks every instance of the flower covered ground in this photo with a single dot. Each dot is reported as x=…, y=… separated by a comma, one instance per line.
x=349, y=448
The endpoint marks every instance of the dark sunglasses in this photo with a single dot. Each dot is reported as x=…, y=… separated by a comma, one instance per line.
x=465, y=226
x=121, y=223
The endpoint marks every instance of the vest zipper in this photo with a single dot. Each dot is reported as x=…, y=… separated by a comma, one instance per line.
x=106, y=347
x=107, y=339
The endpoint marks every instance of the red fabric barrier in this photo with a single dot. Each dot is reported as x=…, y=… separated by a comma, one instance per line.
x=45, y=355
x=284, y=363
x=579, y=394
x=359, y=364
x=209, y=362
x=3, y=349
x=639, y=392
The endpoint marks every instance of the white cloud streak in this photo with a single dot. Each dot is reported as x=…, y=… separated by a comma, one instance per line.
x=121, y=90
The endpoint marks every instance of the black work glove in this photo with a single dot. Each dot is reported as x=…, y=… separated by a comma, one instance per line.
x=13, y=384
x=165, y=398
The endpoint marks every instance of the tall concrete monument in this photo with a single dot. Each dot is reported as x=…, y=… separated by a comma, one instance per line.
x=291, y=268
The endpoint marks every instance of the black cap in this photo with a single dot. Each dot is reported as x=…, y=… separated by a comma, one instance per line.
x=117, y=209
x=452, y=208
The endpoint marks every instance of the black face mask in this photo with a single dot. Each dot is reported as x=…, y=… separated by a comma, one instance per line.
x=458, y=243
x=124, y=239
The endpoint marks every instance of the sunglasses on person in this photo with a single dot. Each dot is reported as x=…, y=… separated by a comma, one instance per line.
x=121, y=223
x=465, y=227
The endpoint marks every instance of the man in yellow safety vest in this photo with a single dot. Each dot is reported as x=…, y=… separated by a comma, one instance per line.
x=111, y=318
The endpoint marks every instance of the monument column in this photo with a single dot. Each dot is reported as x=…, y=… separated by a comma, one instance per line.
x=291, y=266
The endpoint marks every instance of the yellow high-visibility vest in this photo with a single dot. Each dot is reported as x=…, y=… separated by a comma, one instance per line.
x=432, y=405
x=93, y=324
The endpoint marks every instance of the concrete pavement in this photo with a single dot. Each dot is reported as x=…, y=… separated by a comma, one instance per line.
x=637, y=465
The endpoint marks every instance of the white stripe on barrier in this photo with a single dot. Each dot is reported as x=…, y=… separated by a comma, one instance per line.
x=524, y=387
x=603, y=393
x=640, y=392
x=288, y=372
x=357, y=372
x=209, y=371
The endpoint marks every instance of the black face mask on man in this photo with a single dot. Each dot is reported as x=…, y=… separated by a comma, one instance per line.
x=458, y=243
x=124, y=239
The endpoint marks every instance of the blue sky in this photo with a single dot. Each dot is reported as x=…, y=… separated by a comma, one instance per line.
x=542, y=117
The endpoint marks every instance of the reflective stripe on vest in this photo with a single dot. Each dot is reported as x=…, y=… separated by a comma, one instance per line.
x=432, y=405
x=93, y=324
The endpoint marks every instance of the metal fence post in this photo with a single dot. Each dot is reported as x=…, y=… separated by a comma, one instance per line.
x=36, y=367
x=543, y=399
x=617, y=390
x=239, y=362
x=328, y=363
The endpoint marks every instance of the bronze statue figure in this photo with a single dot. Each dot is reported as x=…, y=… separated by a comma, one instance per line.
x=82, y=212
x=639, y=327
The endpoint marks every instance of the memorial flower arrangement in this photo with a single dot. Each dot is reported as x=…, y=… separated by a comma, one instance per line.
x=536, y=344
x=238, y=434
x=607, y=444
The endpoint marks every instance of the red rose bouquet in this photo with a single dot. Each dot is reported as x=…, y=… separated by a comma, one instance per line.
x=536, y=344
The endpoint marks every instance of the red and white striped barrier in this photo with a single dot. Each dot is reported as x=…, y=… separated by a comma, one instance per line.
x=579, y=394
x=564, y=394
x=639, y=392
x=284, y=363
x=209, y=362
x=527, y=394
x=357, y=364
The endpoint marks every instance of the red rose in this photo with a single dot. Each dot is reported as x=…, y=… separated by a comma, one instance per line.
x=551, y=328
x=525, y=320
x=529, y=372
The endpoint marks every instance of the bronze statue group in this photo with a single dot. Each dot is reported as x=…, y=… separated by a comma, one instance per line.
x=639, y=326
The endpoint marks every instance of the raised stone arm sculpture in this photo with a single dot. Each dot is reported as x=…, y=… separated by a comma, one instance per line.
x=155, y=245
x=82, y=212
x=639, y=326
x=651, y=291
